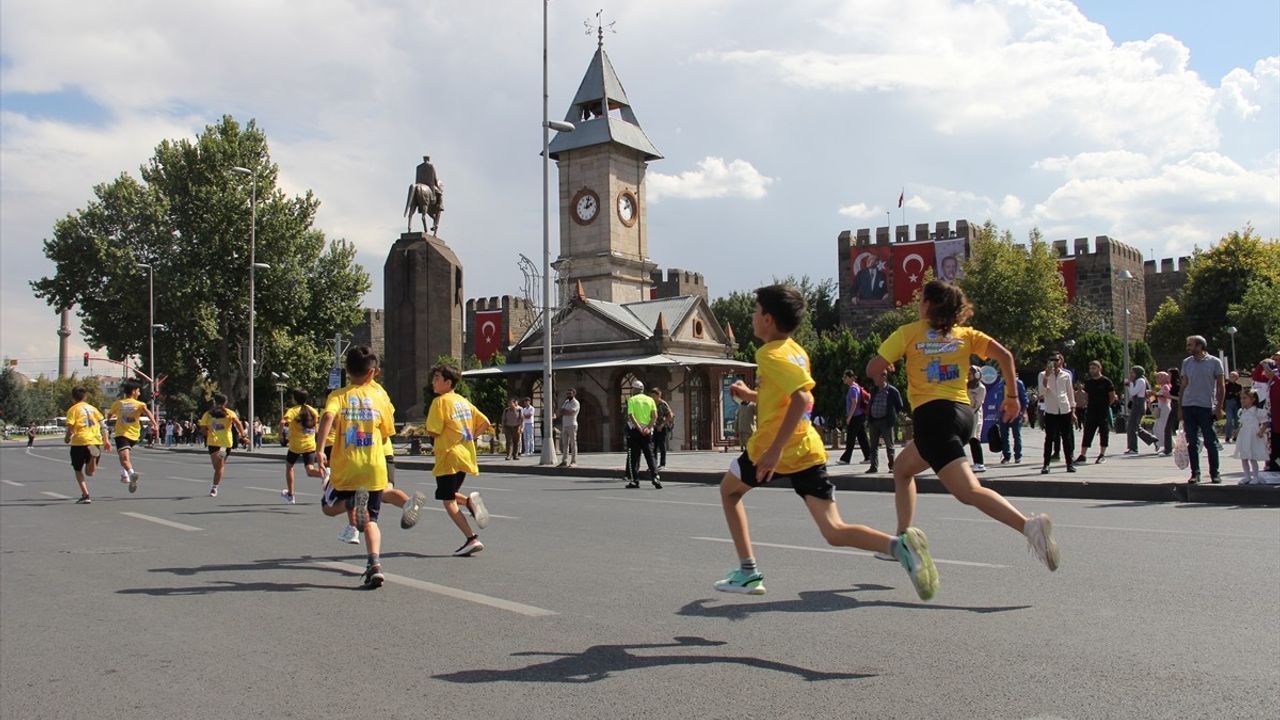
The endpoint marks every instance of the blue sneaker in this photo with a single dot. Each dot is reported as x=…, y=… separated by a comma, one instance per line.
x=741, y=582
x=913, y=553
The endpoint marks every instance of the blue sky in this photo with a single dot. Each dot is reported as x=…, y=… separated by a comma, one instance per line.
x=781, y=124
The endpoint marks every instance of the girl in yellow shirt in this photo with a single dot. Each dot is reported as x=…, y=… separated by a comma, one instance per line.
x=217, y=424
x=937, y=349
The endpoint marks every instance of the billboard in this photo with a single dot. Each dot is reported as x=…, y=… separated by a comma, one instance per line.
x=949, y=259
x=870, y=274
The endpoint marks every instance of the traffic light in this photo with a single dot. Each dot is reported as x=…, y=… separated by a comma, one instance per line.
x=86, y=359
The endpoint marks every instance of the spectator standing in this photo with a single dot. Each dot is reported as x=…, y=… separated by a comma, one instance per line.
x=1082, y=405
x=1101, y=393
x=527, y=414
x=31, y=435
x=1135, y=406
x=886, y=403
x=642, y=413
x=1252, y=447
x=1033, y=409
x=1273, y=403
x=1231, y=406
x=856, y=400
x=569, y=410
x=1260, y=378
x=662, y=428
x=1059, y=398
x=1175, y=410
x=1014, y=426
x=977, y=394
x=1203, y=393
x=512, y=421
x=744, y=424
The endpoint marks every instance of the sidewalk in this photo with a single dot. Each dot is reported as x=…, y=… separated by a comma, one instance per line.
x=1145, y=477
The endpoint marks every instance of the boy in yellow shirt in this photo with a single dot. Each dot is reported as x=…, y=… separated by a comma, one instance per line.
x=87, y=434
x=300, y=422
x=128, y=412
x=361, y=417
x=785, y=444
x=217, y=423
x=453, y=424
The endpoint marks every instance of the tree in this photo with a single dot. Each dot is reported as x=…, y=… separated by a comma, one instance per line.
x=188, y=217
x=734, y=311
x=821, y=301
x=1016, y=293
x=1257, y=320
x=1220, y=277
x=1167, y=332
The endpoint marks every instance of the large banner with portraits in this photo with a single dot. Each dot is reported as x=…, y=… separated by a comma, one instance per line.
x=910, y=260
x=950, y=258
x=870, y=274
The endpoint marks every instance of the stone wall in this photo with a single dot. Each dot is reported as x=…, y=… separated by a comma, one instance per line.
x=371, y=331
x=678, y=283
x=1166, y=282
x=1098, y=280
x=518, y=315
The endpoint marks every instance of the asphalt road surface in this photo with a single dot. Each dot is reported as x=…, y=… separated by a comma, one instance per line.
x=591, y=601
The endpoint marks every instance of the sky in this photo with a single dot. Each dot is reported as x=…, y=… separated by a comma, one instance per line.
x=1156, y=123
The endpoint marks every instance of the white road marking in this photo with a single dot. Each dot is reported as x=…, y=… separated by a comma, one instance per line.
x=14, y=483
x=838, y=551
x=440, y=509
x=41, y=457
x=668, y=502
x=59, y=496
x=447, y=591
x=194, y=480
x=1129, y=529
x=477, y=487
x=277, y=490
x=162, y=521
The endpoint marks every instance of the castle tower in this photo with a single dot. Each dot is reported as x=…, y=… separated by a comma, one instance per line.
x=603, y=230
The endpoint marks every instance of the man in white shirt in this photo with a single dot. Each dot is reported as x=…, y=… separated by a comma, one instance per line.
x=569, y=429
x=1057, y=392
x=527, y=413
x=1135, y=406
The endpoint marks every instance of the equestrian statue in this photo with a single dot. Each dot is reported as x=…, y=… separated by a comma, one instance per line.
x=426, y=196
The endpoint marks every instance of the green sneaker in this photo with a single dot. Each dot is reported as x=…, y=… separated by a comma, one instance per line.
x=914, y=555
x=741, y=582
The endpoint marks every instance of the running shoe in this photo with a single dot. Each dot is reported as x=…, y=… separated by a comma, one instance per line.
x=913, y=554
x=124, y=476
x=213, y=491
x=741, y=582
x=95, y=451
x=1039, y=532
x=412, y=510
x=471, y=546
x=286, y=498
x=133, y=482
x=657, y=483
x=478, y=511
x=633, y=484
x=373, y=577
x=979, y=468
x=84, y=500
x=350, y=535
x=362, y=508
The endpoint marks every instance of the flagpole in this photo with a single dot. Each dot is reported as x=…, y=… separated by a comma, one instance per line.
x=903, y=206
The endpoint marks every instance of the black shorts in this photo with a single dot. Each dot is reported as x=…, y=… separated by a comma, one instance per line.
x=448, y=485
x=124, y=443
x=308, y=458
x=942, y=429
x=332, y=497
x=214, y=448
x=79, y=457
x=810, y=481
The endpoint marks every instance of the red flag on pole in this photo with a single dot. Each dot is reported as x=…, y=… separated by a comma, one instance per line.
x=902, y=197
x=488, y=333
x=910, y=260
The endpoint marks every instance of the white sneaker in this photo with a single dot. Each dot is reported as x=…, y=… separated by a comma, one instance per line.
x=286, y=498
x=979, y=468
x=213, y=491
x=1039, y=532
x=124, y=476
x=350, y=535
x=478, y=510
x=471, y=546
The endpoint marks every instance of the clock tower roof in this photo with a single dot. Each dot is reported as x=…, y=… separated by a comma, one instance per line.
x=602, y=114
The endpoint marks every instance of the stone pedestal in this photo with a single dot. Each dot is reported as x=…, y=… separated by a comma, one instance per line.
x=422, y=301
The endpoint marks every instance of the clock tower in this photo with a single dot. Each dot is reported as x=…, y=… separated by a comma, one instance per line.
x=603, y=234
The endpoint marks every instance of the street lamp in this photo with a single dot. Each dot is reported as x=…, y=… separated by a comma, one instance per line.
x=282, y=381
x=1125, y=276
x=253, y=264
x=548, y=394
x=1232, y=331
x=151, y=335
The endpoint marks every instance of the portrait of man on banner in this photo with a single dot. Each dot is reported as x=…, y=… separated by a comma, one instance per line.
x=950, y=259
x=870, y=271
x=488, y=333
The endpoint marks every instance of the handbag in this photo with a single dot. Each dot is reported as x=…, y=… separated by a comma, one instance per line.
x=1181, y=457
x=994, y=442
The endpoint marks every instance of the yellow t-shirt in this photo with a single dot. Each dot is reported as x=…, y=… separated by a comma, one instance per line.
x=361, y=419
x=782, y=369
x=301, y=439
x=220, y=428
x=387, y=449
x=454, y=422
x=937, y=365
x=128, y=414
x=85, y=422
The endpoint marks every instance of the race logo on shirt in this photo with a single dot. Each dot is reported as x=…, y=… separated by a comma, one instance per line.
x=936, y=372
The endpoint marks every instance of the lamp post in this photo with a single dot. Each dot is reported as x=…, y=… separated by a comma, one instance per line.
x=253, y=264
x=1125, y=277
x=1232, y=331
x=282, y=381
x=548, y=456
x=151, y=334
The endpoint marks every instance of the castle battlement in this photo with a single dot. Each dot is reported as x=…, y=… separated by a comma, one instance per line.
x=504, y=302
x=942, y=230
x=677, y=283
x=1102, y=246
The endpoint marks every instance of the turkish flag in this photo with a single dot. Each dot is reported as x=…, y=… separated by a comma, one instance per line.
x=1067, y=276
x=488, y=333
x=902, y=196
x=910, y=260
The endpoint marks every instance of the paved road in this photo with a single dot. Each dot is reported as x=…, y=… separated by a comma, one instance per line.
x=594, y=602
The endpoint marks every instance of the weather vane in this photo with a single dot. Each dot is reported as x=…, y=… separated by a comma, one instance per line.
x=599, y=28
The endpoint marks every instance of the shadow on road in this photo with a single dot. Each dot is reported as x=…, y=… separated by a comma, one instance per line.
x=598, y=662
x=823, y=601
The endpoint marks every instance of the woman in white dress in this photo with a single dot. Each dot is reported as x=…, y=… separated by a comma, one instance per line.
x=1162, y=408
x=1251, y=442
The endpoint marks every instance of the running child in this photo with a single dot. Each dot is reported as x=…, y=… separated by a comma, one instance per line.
x=785, y=444
x=360, y=418
x=453, y=424
x=937, y=348
x=86, y=434
x=300, y=421
x=128, y=412
x=217, y=423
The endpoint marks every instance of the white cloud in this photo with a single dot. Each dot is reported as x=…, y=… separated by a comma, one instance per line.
x=1245, y=92
x=1114, y=163
x=860, y=211
x=714, y=178
x=1011, y=206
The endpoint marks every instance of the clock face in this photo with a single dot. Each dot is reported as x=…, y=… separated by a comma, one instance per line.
x=586, y=205
x=627, y=208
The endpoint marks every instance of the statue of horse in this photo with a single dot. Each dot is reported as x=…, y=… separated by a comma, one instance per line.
x=424, y=199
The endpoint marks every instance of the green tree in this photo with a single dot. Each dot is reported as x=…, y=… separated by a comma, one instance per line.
x=188, y=217
x=1220, y=277
x=734, y=311
x=1103, y=347
x=1167, y=332
x=1016, y=293
x=1257, y=320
